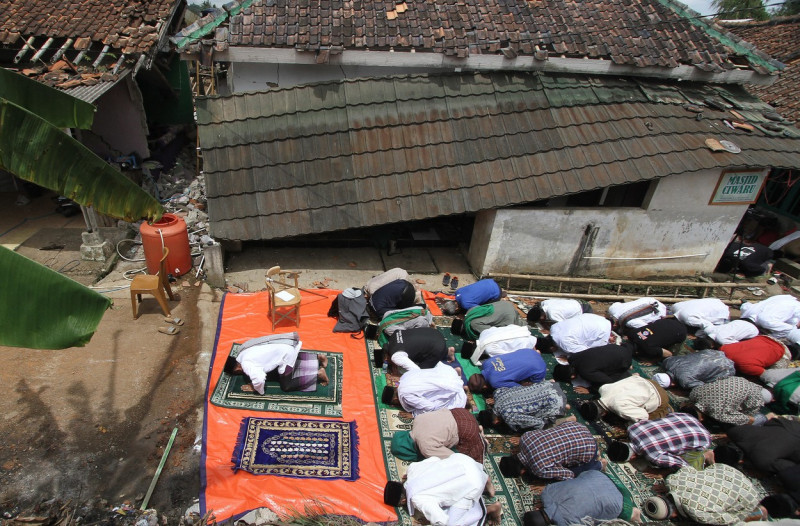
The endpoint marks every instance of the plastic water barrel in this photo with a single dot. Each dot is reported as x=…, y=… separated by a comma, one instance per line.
x=172, y=230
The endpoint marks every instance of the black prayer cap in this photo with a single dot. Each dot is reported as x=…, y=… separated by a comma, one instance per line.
x=392, y=493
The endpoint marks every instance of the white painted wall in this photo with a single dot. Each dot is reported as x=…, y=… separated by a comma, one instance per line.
x=251, y=76
x=676, y=222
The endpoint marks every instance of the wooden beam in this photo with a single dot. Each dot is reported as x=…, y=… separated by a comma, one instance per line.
x=476, y=62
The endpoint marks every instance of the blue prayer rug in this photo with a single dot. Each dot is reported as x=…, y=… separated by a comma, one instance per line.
x=322, y=449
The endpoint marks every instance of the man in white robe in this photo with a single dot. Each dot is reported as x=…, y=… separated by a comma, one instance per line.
x=776, y=315
x=448, y=492
x=423, y=390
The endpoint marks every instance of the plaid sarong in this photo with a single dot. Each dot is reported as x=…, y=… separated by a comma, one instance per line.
x=470, y=442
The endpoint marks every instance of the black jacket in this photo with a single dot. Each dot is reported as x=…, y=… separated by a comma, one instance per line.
x=604, y=364
x=425, y=346
x=773, y=447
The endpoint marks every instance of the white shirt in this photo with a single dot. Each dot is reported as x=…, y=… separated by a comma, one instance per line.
x=581, y=332
x=632, y=398
x=260, y=359
x=702, y=313
x=618, y=309
x=446, y=490
x=731, y=332
x=777, y=315
x=495, y=341
x=424, y=390
x=561, y=309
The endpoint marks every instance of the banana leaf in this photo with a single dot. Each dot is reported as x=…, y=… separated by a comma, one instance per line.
x=34, y=150
x=41, y=309
x=56, y=107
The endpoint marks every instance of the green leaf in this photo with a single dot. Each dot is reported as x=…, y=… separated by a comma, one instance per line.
x=56, y=107
x=34, y=150
x=41, y=309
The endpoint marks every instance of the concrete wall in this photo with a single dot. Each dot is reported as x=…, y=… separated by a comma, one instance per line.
x=120, y=125
x=677, y=223
x=244, y=76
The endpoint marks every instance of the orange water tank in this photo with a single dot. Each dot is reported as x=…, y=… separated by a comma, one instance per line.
x=169, y=231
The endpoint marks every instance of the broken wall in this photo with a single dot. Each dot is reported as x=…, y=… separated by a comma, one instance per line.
x=676, y=233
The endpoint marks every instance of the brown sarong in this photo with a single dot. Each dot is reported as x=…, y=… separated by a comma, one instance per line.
x=663, y=408
x=470, y=442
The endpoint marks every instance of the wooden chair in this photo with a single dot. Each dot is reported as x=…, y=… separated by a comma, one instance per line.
x=155, y=285
x=284, y=298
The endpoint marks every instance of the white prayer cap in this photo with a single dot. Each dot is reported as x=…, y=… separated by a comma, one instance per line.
x=766, y=395
x=662, y=379
x=352, y=293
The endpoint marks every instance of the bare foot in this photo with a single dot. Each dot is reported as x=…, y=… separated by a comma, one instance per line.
x=323, y=360
x=708, y=455
x=489, y=489
x=636, y=515
x=568, y=406
x=458, y=370
x=603, y=463
x=665, y=353
x=581, y=390
x=322, y=376
x=494, y=512
x=451, y=354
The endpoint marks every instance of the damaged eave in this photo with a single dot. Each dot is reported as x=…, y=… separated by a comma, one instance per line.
x=480, y=63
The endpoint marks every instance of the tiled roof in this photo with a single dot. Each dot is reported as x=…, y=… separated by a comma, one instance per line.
x=340, y=155
x=638, y=33
x=80, y=28
x=780, y=37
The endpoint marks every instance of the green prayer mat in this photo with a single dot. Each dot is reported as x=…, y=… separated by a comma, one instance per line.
x=635, y=479
x=235, y=392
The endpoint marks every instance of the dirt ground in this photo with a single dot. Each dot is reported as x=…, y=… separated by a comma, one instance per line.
x=88, y=426
x=84, y=429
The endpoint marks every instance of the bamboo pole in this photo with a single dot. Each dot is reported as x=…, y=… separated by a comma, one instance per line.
x=567, y=279
x=605, y=297
x=158, y=471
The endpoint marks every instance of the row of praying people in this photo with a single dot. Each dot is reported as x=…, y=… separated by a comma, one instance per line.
x=527, y=400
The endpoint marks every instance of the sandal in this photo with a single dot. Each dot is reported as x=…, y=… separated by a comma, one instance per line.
x=172, y=331
x=174, y=320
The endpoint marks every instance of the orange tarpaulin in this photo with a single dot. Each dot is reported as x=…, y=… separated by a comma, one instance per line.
x=228, y=494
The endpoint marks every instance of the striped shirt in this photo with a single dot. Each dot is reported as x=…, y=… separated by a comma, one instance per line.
x=662, y=441
x=549, y=452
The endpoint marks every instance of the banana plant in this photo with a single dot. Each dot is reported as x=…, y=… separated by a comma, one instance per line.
x=40, y=308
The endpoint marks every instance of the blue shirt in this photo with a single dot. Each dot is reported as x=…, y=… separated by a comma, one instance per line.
x=510, y=370
x=479, y=293
x=590, y=494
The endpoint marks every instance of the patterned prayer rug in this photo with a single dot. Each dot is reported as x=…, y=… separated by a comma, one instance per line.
x=637, y=478
x=235, y=392
x=322, y=449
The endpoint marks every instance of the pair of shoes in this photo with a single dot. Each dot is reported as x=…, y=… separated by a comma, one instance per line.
x=454, y=283
x=446, y=279
x=171, y=330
